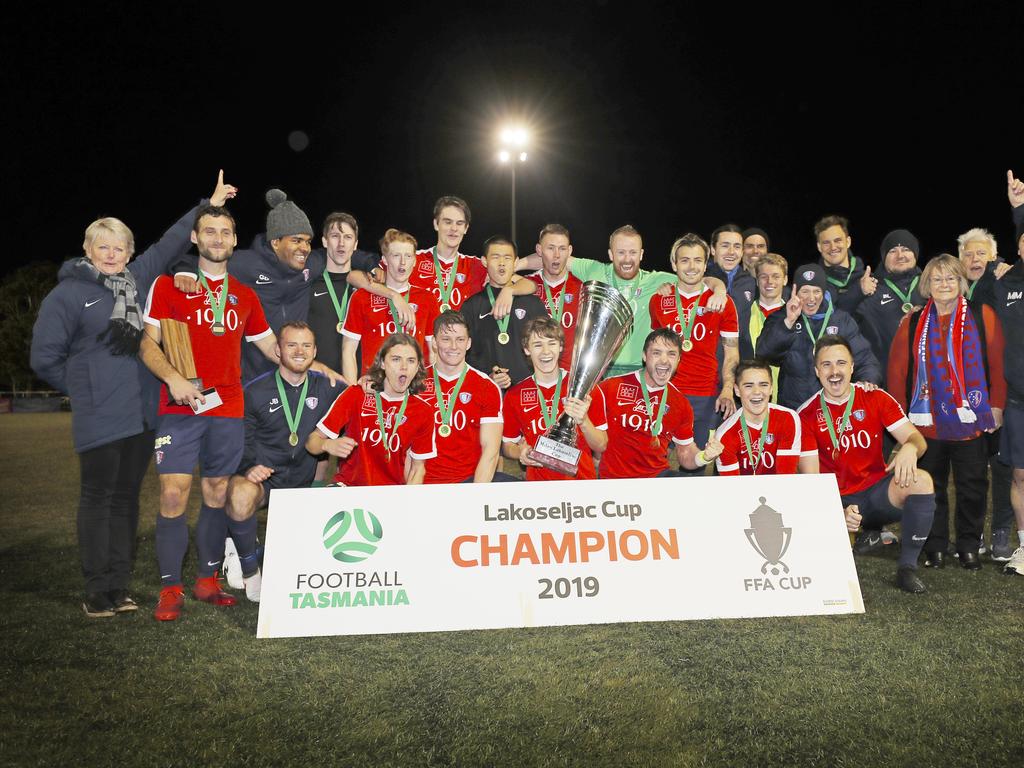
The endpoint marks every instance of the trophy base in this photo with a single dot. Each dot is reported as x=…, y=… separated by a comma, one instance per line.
x=556, y=456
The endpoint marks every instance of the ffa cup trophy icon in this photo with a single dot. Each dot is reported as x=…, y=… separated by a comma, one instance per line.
x=769, y=538
x=604, y=324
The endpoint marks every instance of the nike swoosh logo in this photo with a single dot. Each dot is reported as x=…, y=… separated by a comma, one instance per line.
x=886, y=301
x=90, y=303
x=276, y=409
x=215, y=562
x=264, y=282
x=194, y=295
x=1009, y=303
x=485, y=314
x=919, y=538
x=322, y=293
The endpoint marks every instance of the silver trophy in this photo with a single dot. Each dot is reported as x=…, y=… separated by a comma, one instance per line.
x=604, y=323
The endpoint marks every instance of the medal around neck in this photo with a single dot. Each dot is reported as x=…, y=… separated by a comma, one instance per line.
x=604, y=323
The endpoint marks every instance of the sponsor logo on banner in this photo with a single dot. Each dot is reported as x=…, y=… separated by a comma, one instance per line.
x=352, y=546
x=770, y=538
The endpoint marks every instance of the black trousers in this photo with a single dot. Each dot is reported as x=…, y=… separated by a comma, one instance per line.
x=108, y=510
x=969, y=462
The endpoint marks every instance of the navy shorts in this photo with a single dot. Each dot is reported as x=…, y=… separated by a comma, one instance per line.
x=214, y=442
x=1011, y=442
x=874, y=505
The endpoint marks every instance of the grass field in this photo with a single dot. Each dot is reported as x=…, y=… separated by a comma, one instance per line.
x=929, y=680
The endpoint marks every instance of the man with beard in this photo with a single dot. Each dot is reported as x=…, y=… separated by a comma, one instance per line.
x=647, y=415
x=559, y=290
x=879, y=314
x=192, y=427
x=848, y=279
x=755, y=246
x=788, y=338
x=498, y=341
x=281, y=409
x=846, y=424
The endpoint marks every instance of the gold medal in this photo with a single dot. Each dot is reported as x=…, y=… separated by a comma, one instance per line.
x=907, y=306
x=444, y=430
x=293, y=439
x=339, y=326
x=445, y=307
x=217, y=329
x=503, y=338
x=687, y=345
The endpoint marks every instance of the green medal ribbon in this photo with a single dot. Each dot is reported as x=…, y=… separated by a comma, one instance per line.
x=382, y=424
x=685, y=329
x=446, y=413
x=970, y=289
x=444, y=288
x=824, y=325
x=846, y=282
x=217, y=327
x=904, y=297
x=843, y=423
x=549, y=415
x=662, y=406
x=341, y=310
x=399, y=328
x=503, y=323
x=293, y=420
x=760, y=440
x=556, y=314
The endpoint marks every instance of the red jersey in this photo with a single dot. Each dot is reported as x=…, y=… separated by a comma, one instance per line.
x=782, y=444
x=632, y=450
x=217, y=358
x=369, y=322
x=861, y=459
x=570, y=287
x=697, y=373
x=354, y=413
x=523, y=418
x=478, y=402
x=470, y=277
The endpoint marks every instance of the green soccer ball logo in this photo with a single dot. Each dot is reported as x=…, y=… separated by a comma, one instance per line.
x=361, y=544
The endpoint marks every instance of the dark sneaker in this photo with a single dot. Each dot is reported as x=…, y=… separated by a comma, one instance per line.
x=1001, y=551
x=208, y=590
x=98, y=606
x=873, y=541
x=907, y=580
x=171, y=601
x=122, y=601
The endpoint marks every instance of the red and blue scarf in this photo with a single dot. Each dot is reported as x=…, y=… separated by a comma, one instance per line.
x=950, y=390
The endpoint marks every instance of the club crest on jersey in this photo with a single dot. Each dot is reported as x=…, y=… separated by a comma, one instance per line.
x=808, y=275
x=701, y=311
x=568, y=298
x=974, y=398
x=627, y=392
x=859, y=414
x=748, y=296
x=520, y=313
x=769, y=439
x=832, y=330
x=465, y=397
x=305, y=274
x=159, y=456
x=459, y=277
x=378, y=301
x=528, y=397
x=415, y=308
x=312, y=402
x=232, y=299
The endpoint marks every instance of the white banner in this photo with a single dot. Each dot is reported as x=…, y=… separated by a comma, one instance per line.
x=355, y=561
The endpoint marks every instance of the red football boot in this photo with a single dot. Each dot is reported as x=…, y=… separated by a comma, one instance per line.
x=171, y=601
x=208, y=590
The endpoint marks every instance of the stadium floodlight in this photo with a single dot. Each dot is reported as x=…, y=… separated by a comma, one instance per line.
x=514, y=139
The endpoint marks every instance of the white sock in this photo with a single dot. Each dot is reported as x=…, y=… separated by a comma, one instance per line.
x=253, y=586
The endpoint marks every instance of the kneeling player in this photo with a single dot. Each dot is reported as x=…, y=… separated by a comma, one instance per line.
x=535, y=404
x=389, y=431
x=281, y=410
x=760, y=438
x=646, y=413
x=847, y=424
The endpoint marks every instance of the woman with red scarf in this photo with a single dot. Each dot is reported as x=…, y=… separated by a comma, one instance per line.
x=946, y=370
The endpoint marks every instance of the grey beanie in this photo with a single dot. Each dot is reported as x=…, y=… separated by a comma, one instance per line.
x=285, y=217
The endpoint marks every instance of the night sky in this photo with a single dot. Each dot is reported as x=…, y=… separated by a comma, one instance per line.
x=670, y=117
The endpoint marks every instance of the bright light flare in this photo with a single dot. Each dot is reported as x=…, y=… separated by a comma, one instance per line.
x=515, y=136
x=503, y=156
x=522, y=157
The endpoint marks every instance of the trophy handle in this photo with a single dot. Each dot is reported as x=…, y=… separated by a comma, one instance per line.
x=750, y=538
x=785, y=545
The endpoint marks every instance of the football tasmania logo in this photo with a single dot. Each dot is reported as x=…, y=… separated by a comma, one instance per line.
x=348, y=544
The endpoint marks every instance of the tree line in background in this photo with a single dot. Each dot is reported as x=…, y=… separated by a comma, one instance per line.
x=21, y=293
